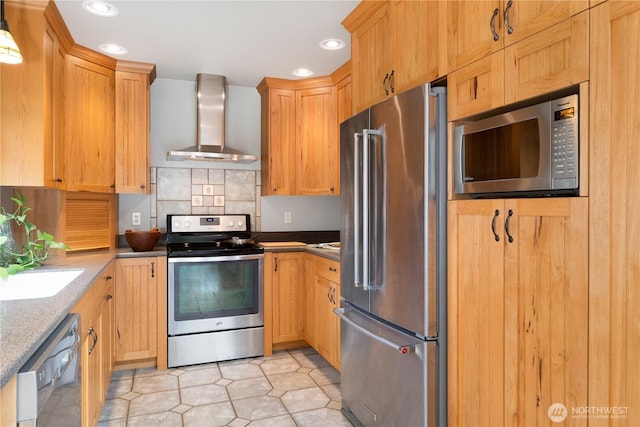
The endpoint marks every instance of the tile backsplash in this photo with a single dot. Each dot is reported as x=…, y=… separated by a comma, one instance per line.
x=204, y=191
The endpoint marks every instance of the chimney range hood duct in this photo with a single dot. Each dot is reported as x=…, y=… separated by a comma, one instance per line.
x=211, y=108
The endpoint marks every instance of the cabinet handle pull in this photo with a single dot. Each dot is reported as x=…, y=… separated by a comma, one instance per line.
x=118, y=332
x=153, y=269
x=333, y=269
x=142, y=186
x=493, y=225
x=506, y=226
x=107, y=278
x=94, y=335
x=275, y=260
x=506, y=17
x=108, y=297
x=58, y=180
x=492, y=25
x=384, y=84
x=391, y=79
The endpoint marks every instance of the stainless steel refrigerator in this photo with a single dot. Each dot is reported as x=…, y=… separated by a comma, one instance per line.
x=393, y=261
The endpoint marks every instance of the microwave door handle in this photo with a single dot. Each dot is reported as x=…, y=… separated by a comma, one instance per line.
x=357, y=255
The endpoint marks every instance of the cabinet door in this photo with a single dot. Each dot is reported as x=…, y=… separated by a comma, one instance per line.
x=324, y=328
x=550, y=60
x=132, y=132
x=311, y=303
x=545, y=307
x=476, y=312
x=316, y=142
x=529, y=17
x=136, y=309
x=92, y=380
x=288, y=297
x=476, y=88
x=419, y=28
x=470, y=36
x=90, y=141
x=54, y=85
x=371, y=58
x=278, y=149
x=614, y=224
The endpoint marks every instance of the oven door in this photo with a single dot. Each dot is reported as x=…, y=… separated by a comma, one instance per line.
x=215, y=293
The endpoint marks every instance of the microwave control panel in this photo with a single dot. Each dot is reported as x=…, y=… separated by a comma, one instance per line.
x=564, y=142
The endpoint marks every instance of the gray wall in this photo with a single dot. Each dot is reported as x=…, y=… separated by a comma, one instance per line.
x=173, y=124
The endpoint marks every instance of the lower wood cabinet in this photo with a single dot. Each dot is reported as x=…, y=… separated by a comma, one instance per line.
x=301, y=291
x=324, y=291
x=517, y=309
x=285, y=270
x=96, y=317
x=141, y=311
x=8, y=403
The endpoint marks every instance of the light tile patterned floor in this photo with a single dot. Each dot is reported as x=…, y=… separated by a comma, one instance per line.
x=290, y=388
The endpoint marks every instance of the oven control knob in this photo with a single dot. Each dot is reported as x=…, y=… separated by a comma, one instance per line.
x=240, y=224
x=187, y=224
x=231, y=224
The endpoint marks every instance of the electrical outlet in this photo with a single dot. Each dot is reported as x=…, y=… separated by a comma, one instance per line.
x=287, y=217
x=135, y=218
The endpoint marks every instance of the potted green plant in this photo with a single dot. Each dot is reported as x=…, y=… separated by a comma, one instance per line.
x=37, y=243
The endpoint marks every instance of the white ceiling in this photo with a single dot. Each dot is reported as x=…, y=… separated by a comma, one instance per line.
x=242, y=40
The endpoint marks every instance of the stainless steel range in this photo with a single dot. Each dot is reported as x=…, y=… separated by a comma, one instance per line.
x=215, y=286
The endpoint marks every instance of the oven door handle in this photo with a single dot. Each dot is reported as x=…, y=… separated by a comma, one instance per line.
x=179, y=259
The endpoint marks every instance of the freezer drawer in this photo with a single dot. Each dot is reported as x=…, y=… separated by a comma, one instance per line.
x=387, y=375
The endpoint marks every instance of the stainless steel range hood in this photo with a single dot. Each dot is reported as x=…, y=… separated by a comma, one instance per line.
x=211, y=109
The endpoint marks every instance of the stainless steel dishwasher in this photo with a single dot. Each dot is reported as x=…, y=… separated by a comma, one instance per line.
x=49, y=383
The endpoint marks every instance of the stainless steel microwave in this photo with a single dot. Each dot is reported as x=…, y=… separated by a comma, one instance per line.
x=530, y=150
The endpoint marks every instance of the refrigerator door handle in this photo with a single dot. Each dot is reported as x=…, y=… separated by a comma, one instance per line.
x=357, y=260
x=366, y=209
x=402, y=348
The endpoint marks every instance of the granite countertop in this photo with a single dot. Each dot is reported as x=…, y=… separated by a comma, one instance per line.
x=309, y=248
x=25, y=324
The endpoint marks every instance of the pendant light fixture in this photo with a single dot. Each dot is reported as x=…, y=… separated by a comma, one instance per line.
x=9, y=51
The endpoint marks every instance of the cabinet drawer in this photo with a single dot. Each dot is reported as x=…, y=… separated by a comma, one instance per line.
x=328, y=269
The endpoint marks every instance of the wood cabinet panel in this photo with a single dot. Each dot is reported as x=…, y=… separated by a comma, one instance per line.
x=371, y=58
x=278, y=150
x=299, y=132
x=517, y=309
x=8, y=403
x=614, y=226
x=136, y=309
x=132, y=132
x=95, y=309
x=90, y=111
x=32, y=103
x=317, y=151
x=395, y=46
x=311, y=304
x=553, y=59
x=477, y=87
x=288, y=297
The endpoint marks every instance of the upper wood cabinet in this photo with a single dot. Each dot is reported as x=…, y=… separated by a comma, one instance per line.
x=300, y=134
x=32, y=102
x=90, y=112
x=518, y=307
x=552, y=59
x=479, y=28
x=132, y=126
x=395, y=45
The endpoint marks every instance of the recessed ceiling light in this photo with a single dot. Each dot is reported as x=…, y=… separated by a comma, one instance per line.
x=332, y=44
x=302, y=72
x=112, y=49
x=101, y=8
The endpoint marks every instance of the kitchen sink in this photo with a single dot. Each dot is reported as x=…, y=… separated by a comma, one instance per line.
x=333, y=246
x=36, y=284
